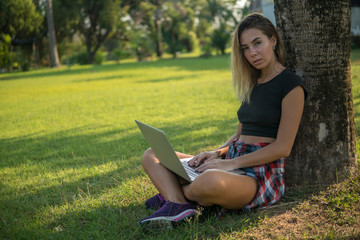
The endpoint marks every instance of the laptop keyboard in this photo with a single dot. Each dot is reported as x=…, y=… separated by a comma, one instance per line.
x=190, y=170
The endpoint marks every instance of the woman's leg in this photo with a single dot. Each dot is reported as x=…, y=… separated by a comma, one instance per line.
x=228, y=190
x=166, y=182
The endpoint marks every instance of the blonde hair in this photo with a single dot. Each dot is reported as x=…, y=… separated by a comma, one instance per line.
x=243, y=73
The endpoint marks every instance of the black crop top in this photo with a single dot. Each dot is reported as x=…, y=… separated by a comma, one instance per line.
x=261, y=116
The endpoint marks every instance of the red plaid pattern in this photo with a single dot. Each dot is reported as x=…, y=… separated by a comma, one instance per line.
x=270, y=176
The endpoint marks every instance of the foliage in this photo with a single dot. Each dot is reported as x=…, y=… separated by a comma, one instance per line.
x=5, y=61
x=124, y=51
x=220, y=38
x=20, y=60
x=82, y=58
x=191, y=42
x=144, y=20
x=23, y=62
x=167, y=25
x=20, y=19
x=117, y=55
x=95, y=20
x=177, y=24
x=217, y=13
x=206, y=48
x=141, y=44
x=355, y=41
x=110, y=45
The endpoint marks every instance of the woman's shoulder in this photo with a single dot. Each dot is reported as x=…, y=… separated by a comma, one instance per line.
x=290, y=80
x=287, y=74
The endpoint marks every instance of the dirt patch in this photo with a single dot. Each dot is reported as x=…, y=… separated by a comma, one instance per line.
x=331, y=214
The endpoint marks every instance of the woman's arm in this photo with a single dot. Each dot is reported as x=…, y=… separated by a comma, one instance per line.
x=220, y=151
x=233, y=138
x=292, y=109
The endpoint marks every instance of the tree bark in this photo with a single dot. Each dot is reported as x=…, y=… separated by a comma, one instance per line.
x=158, y=16
x=317, y=41
x=51, y=32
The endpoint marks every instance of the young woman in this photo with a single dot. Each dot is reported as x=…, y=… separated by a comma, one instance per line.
x=269, y=117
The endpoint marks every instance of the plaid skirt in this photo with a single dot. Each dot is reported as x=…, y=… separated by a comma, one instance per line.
x=270, y=176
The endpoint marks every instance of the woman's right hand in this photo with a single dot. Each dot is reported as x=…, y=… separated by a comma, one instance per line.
x=203, y=157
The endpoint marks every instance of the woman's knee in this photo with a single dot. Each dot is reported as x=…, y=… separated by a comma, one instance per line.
x=205, y=186
x=148, y=157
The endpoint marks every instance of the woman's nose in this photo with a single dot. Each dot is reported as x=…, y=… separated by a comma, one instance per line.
x=253, y=51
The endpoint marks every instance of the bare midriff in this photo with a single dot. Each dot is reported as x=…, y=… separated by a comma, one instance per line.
x=255, y=139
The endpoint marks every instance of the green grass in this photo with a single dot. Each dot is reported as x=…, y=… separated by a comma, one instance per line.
x=70, y=150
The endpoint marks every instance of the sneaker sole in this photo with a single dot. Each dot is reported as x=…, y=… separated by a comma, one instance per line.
x=167, y=222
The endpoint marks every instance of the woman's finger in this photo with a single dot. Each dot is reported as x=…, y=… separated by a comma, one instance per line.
x=195, y=160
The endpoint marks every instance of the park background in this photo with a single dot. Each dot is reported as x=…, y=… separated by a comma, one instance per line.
x=70, y=150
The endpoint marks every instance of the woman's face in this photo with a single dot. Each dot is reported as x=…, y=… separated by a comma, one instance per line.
x=257, y=48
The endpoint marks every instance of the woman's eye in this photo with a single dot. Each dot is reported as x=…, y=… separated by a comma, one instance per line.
x=257, y=43
x=245, y=48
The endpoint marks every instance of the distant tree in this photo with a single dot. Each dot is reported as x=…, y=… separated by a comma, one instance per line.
x=96, y=20
x=5, y=59
x=220, y=38
x=158, y=23
x=217, y=15
x=20, y=20
x=171, y=24
x=54, y=57
x=153, y=16
x=166, y=21
x=178, y=22
x=219, y=11
x=317, y=40
x=145, y=28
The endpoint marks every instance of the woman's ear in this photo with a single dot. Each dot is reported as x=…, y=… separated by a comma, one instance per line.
x=274, y=41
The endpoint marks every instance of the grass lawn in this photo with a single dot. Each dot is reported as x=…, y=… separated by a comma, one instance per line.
x=70, y=154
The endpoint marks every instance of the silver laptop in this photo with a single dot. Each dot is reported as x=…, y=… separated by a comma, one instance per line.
x=166, y=154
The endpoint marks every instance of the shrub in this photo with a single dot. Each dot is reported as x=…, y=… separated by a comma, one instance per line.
x=99, y=57
x=5, y=42
x=206, y=48
x=82, y=58
x=355, y=41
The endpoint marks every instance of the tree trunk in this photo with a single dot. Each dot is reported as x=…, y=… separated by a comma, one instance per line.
x=255, y=6
x=11, y=58
x=173, y=43
x=159, y=50
x=317, y=41
x=51, y=32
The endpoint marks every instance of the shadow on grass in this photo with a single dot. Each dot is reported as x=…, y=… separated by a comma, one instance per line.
x=103, y=222
x=79, y=147
x=70, y=148
x=167, y=79
x=130, y=76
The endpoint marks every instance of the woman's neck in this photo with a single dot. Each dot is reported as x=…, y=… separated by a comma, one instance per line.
x=270, y=73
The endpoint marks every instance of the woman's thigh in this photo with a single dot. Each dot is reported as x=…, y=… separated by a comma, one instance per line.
x=149, y=155
x=226, y=189
x=183, y=155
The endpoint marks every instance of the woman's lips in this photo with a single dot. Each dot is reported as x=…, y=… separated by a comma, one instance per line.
x=257, y=62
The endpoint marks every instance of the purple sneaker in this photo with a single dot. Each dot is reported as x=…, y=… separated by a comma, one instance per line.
x=169, y=215
x=155, y=202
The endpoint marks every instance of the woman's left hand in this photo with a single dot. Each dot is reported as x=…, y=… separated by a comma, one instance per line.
x=226, y=165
